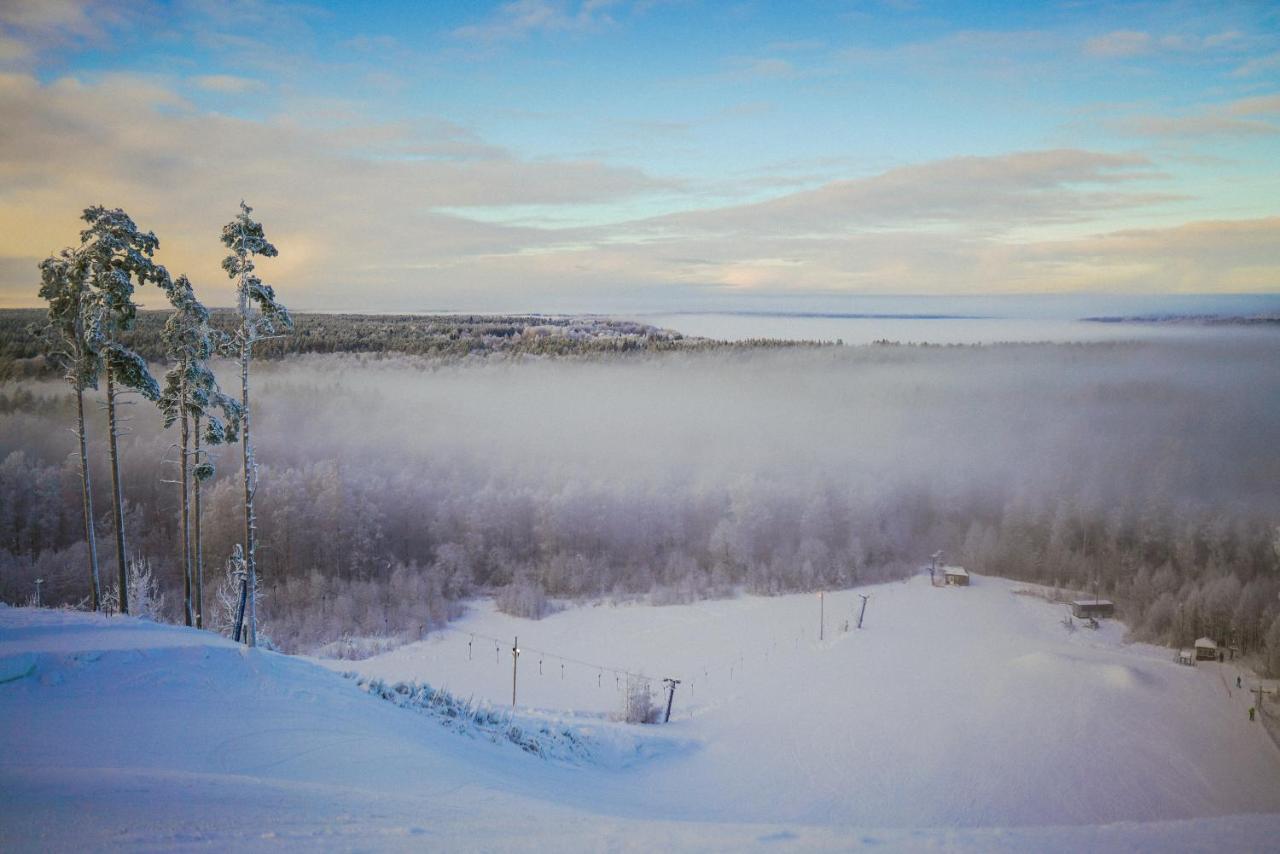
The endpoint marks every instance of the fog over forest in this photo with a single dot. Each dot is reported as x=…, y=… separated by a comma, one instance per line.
x=394, y=486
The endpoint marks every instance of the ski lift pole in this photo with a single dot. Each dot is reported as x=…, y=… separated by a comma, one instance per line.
x=671, y=693
x=862, y=613
x=515, y=658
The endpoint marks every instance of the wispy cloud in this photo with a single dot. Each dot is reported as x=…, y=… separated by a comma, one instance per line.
x=227, y=84
x=1122, y=44
x=1258, y=65
x=1001, y=191
x=521, y=18
x=1254, y=116
x=32, y=28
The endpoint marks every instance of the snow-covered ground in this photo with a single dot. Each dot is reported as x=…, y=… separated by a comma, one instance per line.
x=966, y=719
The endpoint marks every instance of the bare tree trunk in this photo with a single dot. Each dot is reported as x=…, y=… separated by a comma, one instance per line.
x=186, y=518
x=199, y=552
x=250, y=486
x=89, y=536
x=117, y=495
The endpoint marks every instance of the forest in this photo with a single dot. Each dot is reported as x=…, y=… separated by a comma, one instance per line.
x=394, y=486
x=446, y=337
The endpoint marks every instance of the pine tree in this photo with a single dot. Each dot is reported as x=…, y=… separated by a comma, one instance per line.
x=260, y=316
x=190, y=393
x=62, y=285
x=112, y=254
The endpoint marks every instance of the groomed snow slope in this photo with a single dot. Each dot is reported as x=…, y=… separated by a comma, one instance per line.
x=968, y=710
x=952, y=706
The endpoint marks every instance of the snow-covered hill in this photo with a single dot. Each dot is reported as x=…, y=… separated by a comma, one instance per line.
x=959, y=718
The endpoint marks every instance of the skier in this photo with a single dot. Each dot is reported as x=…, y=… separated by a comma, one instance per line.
x=1251, y=712
x=1238, y=685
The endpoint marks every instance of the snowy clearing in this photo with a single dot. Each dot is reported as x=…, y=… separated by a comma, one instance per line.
x=965, y=719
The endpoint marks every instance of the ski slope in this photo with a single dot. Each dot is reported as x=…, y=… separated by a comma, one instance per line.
x=964, y=719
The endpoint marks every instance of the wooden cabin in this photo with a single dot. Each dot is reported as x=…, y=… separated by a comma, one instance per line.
x=955, y=576
x=1206, y=650
x=1092, y=609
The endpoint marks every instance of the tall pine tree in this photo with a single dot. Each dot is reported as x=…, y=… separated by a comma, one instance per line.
x=260, y=317
x=112, y=256
x=189, y=397
x=62, y=285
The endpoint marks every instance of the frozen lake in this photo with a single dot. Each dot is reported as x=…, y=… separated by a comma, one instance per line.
x=958, y=320
x=911, y=330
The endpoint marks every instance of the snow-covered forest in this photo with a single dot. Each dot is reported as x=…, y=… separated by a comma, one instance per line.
x=446, y=337
x=392, y=486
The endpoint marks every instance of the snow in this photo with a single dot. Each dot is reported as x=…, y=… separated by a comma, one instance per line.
x=958, y=718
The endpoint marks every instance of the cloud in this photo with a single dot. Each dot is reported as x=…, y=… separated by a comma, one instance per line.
x=1231, y=256
x=1258, y=65
x=1259, y=105
x=371, y=215
x=522, y=18
x=960, y=225
x=1123, y=44
x=999, y=192
x=351, y=207
x=1118, y=44
x=1244, y=117
x=227, y=84
x=12, y=50
x=30, y=29
x=49, y=16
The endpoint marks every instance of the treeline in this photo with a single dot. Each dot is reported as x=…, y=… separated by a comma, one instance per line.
x=444, y=337
x=1175, y=577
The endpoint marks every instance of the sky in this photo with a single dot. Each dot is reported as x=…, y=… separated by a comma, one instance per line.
x=605, y=155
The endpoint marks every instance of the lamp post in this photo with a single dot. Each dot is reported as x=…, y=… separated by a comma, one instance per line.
x=822, y=616
x=515, y=658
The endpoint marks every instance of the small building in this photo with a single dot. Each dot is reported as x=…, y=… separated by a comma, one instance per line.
x=1187, y=657
x=1206, y=650
x=955, y=576
x=1087, y=609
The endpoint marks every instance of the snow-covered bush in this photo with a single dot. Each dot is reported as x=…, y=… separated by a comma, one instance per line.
x=355, y=648
x=468, y=717
x=226, y=598
x=638, y=706
x=523, y=598
x=145, y=598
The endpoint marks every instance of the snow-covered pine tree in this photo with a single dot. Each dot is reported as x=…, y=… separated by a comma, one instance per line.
x=260, y=316
x=62, y=285
x=190, y=394
x=112, y=255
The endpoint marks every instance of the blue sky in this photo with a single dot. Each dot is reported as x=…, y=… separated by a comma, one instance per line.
x=591, y=155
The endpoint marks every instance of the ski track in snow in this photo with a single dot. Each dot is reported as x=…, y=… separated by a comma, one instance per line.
x=958, y=719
